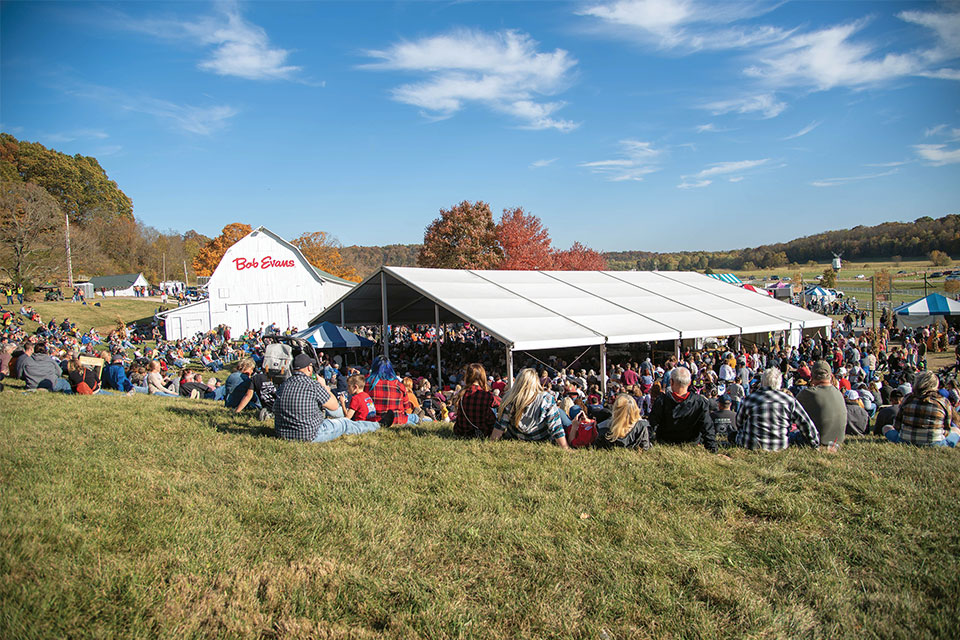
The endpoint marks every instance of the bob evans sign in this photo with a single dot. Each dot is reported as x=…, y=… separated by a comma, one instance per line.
x=264, y=263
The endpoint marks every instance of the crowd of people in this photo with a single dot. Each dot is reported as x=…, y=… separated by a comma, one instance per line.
x=813, y=394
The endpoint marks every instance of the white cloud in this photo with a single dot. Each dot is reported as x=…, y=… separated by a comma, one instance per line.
x=707, y=128
x=932, y=131
x=687, y=25
x=76, y=134
x=502, y=71
x=807, y=129
x=637, y=159
x=831, y=57
x=539, y=164
x=766, y=104
x=239, y=48
x=736, y=178
x=721, y=168
x=836, y=182
x=886, y=164
x=937, y=155
x=698, y=184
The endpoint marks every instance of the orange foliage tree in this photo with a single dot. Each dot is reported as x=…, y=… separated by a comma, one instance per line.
x=463, y=237
x=323, y=251
x=524, y=240
x=211, y=253
x=579, y=258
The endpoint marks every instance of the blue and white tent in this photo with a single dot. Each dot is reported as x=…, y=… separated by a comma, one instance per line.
x=926, y=310
x=818, y=293
x=726, y=277
x=327, y=335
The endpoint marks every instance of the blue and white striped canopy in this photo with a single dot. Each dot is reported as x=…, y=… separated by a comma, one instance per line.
x=726, y=277
x=933, y=305
x=818, y=292
x=327, y=335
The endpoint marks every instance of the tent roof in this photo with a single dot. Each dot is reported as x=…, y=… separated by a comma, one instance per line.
x=554, y=309
x=726, y=277
x=327, y=335
x=123, y=281
x=932, y=305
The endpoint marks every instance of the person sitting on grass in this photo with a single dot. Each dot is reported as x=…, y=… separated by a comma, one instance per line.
x=767, y=414
x=388, y=392
x=262, y=392
x=238, y=383
x=301, y=405
x=41, y=372
x=858, y=420
x=475, y=405
x=360, y=406
x=924, y=419
x=625, y=429
x=886, y=415
x=116, y=377
x=157, y=385
x=680, y=416
x=527, y=412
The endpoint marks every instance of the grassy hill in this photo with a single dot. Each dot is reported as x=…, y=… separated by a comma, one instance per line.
x=104, y=317
x=148, y=517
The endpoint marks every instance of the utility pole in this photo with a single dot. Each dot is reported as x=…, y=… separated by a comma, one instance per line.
x=873, y=302
x=924, y=284
x=66, y=217
x=164, y=267
x=186, y=280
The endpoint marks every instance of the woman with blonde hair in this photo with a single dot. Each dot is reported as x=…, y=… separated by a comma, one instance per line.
x=625, y=429
x=527, y=412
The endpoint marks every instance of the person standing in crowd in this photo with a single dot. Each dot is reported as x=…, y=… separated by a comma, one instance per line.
x=825, y=405
x=924, y=417
x=527, y=412
x=767, y=414
x=680, y=416
x=302, y=404
x=475, y=406
x=20, y=293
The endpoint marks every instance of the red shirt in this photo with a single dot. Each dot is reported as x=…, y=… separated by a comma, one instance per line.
x=389, y=395
x=363, y=407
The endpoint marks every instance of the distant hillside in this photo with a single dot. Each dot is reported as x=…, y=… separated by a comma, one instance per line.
x=905, y=239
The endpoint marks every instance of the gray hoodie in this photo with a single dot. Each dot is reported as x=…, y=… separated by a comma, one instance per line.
x=41, y=372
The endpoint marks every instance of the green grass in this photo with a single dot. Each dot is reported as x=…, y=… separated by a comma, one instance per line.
x=104, y=317
x=148, y=517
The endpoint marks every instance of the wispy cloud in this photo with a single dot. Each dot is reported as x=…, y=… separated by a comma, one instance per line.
x=202, y=120
x=704, y=177
x=635, y=160
x=539, y=164
x=687, y=25
x=765, y=104
x=836, y=182
x=881, y=165
x=832, y=57
x=937, y=155
x=503, y=71
x=236, y=46
x=76, y=134
x=807, y=129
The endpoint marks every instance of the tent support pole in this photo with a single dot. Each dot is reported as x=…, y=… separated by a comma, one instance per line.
x=603, y=369
x=383, y=308
x=676, y=349
x=436, y=328
x=509, y=366
x=343, y=315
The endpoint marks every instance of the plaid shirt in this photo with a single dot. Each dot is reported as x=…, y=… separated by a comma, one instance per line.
x=923, y=420
x=765, y=418
x=539, y=421
x=389, y=395
x=475, y=412
x=298, y=408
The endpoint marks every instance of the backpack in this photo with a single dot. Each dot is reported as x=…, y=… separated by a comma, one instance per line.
x=277, y=359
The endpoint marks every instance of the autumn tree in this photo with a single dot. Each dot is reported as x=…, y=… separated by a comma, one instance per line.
x=211, y=253
x=323, y=252
x=31, y=232
x=579, y=258
x=829, y=278
x=463, y=237
x=939, y=258
x=524, y=240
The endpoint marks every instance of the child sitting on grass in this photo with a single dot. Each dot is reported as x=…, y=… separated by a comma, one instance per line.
x=361, y=405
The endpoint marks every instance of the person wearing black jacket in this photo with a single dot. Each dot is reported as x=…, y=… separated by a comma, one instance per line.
x=625, y=429
x=680, y=416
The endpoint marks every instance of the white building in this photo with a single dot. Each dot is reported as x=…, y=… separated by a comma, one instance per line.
x=122, y=285
x=262, y=279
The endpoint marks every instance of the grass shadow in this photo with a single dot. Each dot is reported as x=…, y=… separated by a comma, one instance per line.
x=226, y=421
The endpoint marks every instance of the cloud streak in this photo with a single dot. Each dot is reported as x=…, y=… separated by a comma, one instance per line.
x=503, y=71
x=836, y=182
x=937, y=155
x=807, y=129
x=765, y=104
x=636, y=160
x=704, y=177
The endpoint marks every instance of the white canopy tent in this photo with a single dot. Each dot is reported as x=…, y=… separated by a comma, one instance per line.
x=528, y=310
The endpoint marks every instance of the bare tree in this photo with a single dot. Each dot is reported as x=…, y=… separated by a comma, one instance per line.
x=31, y=232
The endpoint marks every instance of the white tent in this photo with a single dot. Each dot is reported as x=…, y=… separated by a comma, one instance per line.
x=529, y=310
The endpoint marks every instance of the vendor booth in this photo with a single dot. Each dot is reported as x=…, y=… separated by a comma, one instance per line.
x=327, y=335
x=926, y=310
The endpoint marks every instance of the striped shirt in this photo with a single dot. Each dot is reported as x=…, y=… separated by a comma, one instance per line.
x=539, y=421
x=923, y=420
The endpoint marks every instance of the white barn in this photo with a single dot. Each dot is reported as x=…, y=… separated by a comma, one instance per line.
x=262, y=279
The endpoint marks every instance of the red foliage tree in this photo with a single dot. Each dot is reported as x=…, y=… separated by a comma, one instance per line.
x=524, y=240
x=211, y=253
x=463, y=237
x=579, y=258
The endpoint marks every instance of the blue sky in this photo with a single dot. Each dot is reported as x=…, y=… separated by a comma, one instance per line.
x=656, y=124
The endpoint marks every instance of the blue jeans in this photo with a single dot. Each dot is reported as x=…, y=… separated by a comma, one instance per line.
x=412, y=418
x=950, y=441
x=165, y=394
x=333, y=428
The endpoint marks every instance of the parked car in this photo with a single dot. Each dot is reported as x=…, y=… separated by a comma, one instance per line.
x=861, y=277
x=956, y=277
x=819, y=278
x=774, y=277
x=936, y=274
x=902, y=271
